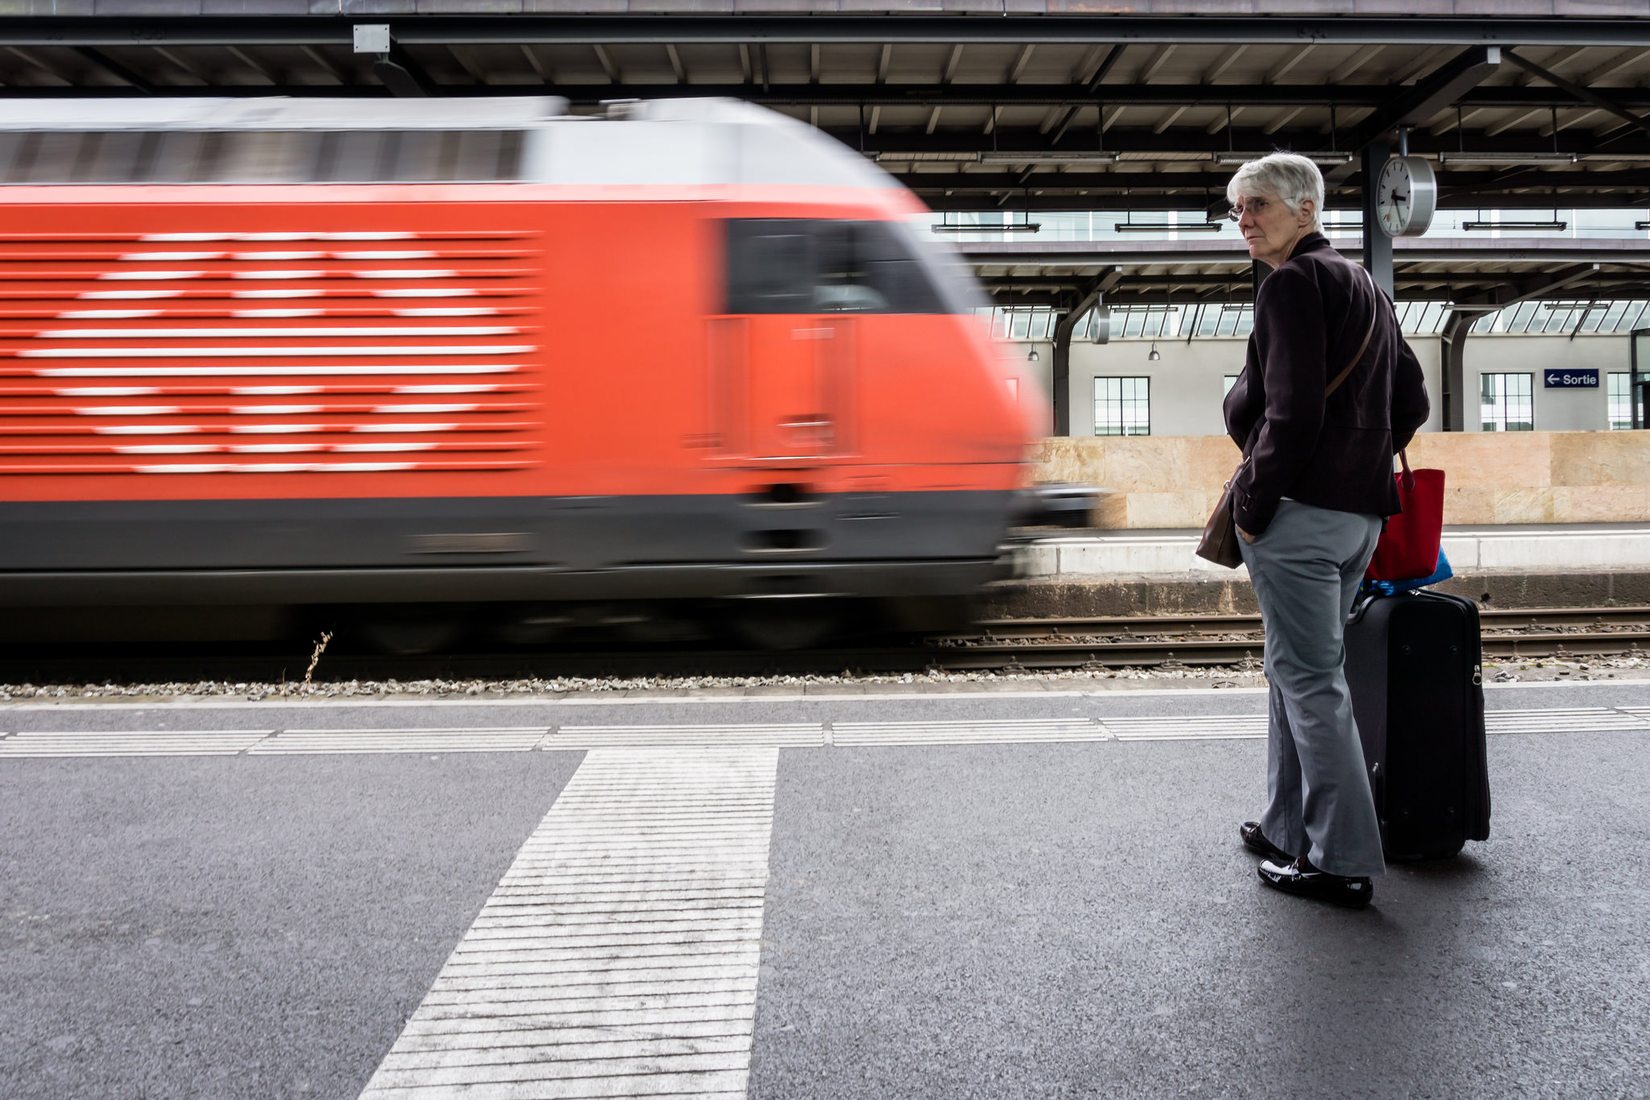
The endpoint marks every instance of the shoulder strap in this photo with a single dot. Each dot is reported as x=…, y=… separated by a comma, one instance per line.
x=1375, y=309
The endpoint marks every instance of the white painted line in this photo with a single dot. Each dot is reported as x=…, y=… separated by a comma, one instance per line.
x=1563, y=720
x=754, y=735
x=619, y=954
x=1006, y=731
x=506, y=739
x=1211, y=727
x=130, y=742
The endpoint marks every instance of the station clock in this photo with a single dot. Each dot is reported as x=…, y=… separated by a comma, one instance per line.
x=1406, y=195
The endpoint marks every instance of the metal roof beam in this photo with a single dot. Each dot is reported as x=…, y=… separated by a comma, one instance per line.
x=1191, y=200
x=401, y=74
x=326, y=66
x=1441, y=88
x=112, y=30
x=110, y=65
x=1515, y=291
x=1193, y=146
x=984, y=95
x=1586, y=95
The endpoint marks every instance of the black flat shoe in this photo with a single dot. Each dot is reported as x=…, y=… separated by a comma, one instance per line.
x=1254, y=840
x=1300, y=878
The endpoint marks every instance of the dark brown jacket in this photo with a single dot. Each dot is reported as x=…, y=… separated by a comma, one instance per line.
x=1310, y=316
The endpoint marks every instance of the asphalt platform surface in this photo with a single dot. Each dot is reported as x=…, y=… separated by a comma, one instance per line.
x=941, y=920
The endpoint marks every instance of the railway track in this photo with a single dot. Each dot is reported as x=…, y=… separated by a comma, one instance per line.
x=1232, y=639
x=996, y=646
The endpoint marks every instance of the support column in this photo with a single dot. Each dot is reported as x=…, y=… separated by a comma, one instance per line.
x=1060, y=377
x=1059, y=384
x=1453, y=369
x=1377, y=245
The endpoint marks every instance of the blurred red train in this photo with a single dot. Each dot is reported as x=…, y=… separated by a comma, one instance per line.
x=291, y=353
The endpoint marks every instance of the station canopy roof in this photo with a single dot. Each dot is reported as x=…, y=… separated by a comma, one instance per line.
x=997, y=105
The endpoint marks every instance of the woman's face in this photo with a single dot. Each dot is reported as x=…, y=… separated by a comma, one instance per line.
x=1270, y=228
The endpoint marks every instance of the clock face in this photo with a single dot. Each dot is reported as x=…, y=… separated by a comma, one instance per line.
x=1406, y=193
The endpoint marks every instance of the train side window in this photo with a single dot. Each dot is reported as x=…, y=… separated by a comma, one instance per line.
x=353, y=156
x=185, y=156
x=418, y=156
x=770, y=266
x=488, y=155
x=260, y=156
x=53, y=159
x=16, y=151
x=16, y=156
x=118, y=157
x=271, y=156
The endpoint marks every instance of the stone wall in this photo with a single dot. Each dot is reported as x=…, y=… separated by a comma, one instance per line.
x=1492, y=478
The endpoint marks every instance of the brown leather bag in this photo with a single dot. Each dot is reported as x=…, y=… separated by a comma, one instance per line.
x=1219, y=543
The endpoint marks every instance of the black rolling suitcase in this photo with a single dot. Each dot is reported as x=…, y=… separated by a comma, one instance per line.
x=1413, y=664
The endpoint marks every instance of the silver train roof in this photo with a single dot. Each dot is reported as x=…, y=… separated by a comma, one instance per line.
x=667, y=141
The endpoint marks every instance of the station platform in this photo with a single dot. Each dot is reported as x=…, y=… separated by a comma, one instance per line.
x=963, y=896
x=1138, y=572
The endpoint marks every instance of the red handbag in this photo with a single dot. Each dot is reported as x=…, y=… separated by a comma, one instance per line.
x=1409, y=543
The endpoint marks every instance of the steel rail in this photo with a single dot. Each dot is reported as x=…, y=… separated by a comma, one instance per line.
x=998, y=646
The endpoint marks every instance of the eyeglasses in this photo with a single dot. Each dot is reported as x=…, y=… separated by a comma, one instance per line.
x=1257, y=207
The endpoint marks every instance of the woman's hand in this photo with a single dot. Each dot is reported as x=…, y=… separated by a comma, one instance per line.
x=1245, y=536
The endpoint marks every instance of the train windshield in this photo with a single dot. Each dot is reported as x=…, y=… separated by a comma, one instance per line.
x=802, y=265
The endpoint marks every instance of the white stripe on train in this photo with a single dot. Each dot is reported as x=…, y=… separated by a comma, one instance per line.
x=285, y=370
x=365, y=235
x=231, y=333
x=273, y=351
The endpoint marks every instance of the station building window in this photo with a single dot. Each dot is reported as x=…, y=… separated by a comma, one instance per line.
x=1227, y=381
x=1505, y=403
x=1122, y=406
x=1620, y=397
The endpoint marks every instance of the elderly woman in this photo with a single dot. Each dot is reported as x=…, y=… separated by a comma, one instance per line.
x=1329, y=392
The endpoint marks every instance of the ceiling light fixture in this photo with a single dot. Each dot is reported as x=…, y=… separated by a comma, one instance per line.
x=1553, y=225
x=1032, y=356
x=1234, y=157
x=886, y=155
x=1167, y=227
x=1514, y=159
x=1010, y=227
x=1049, y=156
x=1154, y=355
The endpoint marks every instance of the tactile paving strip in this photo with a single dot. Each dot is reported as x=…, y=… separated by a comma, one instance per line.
x=130, y=743
x=1563, y=720
x=1212, y=727
x=791, y=735
x=513, y=739
x=1002, y=731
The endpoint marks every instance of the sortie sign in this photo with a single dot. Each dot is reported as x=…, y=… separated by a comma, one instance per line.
x=1576, y=378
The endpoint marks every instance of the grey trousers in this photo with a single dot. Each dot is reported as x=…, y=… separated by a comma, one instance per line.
x=1305, y=569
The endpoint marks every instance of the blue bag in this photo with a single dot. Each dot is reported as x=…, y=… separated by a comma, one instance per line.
x=1391, y=588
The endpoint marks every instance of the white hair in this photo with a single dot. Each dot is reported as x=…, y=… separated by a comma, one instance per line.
x=1288, y=177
